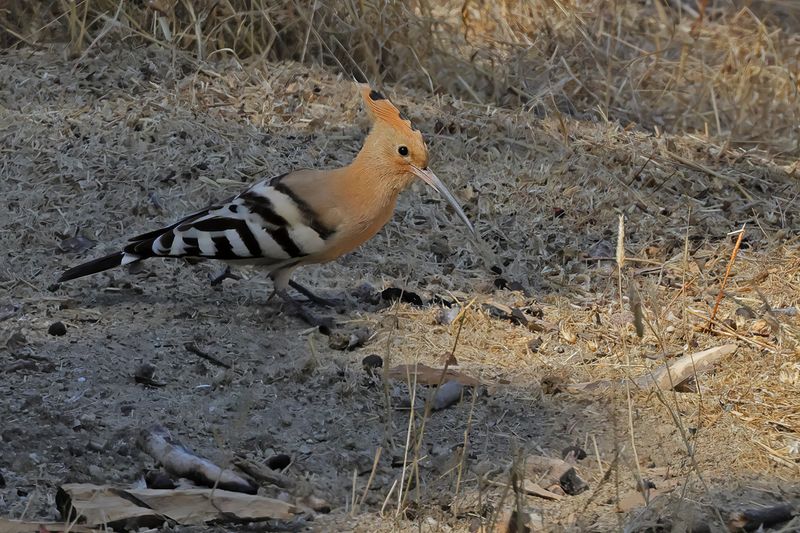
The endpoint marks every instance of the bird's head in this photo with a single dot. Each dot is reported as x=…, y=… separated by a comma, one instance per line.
x=398, y=149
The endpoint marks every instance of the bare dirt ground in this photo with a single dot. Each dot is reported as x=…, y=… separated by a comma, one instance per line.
x=124, y=140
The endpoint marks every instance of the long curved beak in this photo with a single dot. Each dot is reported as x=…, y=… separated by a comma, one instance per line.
x=430, y=178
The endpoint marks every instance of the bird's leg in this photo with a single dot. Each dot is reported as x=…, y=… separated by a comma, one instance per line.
x=218, y=277
x=319, y=300
x=324, y=324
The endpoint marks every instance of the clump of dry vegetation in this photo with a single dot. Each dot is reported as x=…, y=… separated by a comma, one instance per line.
x=715, y=66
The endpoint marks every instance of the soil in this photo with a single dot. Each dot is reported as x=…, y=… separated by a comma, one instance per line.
x=123, y=140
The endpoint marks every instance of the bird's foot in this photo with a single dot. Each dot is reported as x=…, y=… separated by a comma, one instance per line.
x=218, y=277
x=333, y=303
x=325, y=324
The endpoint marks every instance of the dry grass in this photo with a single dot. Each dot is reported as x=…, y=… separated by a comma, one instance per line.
x=730, y=73
x=546, y=176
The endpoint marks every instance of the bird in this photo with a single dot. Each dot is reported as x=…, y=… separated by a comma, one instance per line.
x=303, y=217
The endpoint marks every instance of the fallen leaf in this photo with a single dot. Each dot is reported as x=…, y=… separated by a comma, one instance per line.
x=534, y=489
x=106, y=505
x=426, y=375
x=26, y=526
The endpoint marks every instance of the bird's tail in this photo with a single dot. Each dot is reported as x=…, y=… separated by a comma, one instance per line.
x=98, y=265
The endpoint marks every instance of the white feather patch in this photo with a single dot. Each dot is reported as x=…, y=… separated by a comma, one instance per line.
x=237, y=245
x=128, y=258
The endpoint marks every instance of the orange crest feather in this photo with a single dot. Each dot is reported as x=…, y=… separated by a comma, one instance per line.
x=382, y=110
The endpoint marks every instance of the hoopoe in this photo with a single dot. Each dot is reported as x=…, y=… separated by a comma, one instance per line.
x=300, y=218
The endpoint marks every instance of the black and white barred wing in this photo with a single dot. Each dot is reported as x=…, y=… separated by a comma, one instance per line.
x=266, y=224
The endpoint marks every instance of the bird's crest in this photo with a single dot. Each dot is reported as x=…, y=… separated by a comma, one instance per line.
x=382, y=110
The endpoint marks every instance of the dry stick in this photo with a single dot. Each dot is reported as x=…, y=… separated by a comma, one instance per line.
x=193, y=348
x=109, y=24
x=506, y=488
x=726, y=331
x=683, y=278
x=387, y=395
x=426, y=414
x=388, y=496
x=308, y=31
x=413, y=388
x=674, y=413
x=597, y=455
x=466, y=443
x=620, y=264
x=371, y=475
x=353, y=497
x=727, y=274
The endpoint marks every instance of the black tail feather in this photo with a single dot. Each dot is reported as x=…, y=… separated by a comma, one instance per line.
x=93, y=267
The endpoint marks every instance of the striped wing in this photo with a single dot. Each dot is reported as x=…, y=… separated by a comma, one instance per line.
x=268, y=223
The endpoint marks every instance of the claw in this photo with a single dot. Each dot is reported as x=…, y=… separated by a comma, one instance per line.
x=333, y=303
x=325, y=324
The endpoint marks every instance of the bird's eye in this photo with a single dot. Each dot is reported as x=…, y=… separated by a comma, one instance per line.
x=403, y=150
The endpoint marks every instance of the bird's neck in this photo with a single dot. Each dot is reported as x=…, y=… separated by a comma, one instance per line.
x=370, y=179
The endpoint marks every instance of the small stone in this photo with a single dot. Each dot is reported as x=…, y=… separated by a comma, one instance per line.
x=367, y=293
x=348, y=341
x=96, y=445
x=57, y=328
x=279, y=461
x=572, y=483
x=87, y=421
x=97, y=473
x=534, y=344
x=144, y=374
x=446, y=395
x=158, y=479
x=761, y=328
x=745, y=312
x=372, y=362
x=576, y=451
x=316, y=504
x=447, y=315
x=338, y=340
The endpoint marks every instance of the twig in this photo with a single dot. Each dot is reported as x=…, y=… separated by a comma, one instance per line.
x=666, y=376
x=263, y=474
x=192, y=347
x=725, y=279
x=371, y=477
x=157, y=442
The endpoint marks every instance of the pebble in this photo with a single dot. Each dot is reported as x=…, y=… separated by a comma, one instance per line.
x=279, y=461
x=372, y=362
x=446, y=315
x=57, y=328
x=447, y=394
x=97, y=473
x=576, y=451
x=96, y=445
x=158, y=479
